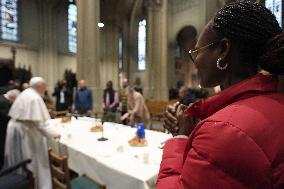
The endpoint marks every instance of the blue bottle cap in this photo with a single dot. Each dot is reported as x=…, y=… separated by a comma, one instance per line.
x=140, y=130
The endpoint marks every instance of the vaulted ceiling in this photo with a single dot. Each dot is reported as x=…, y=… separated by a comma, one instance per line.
x=116, y=9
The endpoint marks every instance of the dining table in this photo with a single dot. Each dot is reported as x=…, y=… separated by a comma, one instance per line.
x=112, y=162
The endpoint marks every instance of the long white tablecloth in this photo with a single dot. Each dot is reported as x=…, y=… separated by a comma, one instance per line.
x=113, y=162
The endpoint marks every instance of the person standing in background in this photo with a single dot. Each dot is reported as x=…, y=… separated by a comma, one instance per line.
x=6, y=102
x=110, y=102
x=83, y=99
x=138, y=85
x=62, y=95
x=24, y=86
x=123, y=98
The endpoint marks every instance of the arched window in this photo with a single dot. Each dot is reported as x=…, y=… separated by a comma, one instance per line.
x=72, y=26
x=120, y=52
x=276, y=8
x=142, y=45
x=9, y=20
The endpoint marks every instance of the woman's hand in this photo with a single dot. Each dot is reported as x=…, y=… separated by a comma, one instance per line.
x=176, y=121
x=185, y=123
x=171, y=121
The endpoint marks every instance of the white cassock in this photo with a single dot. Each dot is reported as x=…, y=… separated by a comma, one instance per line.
x=26, y=136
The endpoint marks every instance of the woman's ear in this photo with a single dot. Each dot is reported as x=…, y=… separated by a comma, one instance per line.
x=224, y=46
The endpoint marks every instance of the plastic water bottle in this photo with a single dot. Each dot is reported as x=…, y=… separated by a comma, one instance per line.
x=140, y=130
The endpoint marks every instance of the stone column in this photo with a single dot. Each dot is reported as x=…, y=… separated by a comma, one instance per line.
x=109, y=53
x=156, y=86
x=88, y=49
x=149, y=85
x=47, y=64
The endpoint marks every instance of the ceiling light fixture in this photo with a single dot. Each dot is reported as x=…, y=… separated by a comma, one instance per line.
x=100, y=24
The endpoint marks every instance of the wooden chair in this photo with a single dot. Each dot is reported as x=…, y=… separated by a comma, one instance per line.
x=61, y=177
x=51, y=106
x=157, y=109
x=58, y=114
x=11, y=180
x=99, y=115
x=171, y=102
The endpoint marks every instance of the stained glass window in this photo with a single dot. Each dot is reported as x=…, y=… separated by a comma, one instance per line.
x=72, y=27
x=142, y=45
x=120, y=52
x=276, y=8
x=9, y=20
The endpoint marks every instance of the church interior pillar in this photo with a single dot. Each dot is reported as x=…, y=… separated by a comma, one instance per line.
x=47, y=64
x=88, y=52
x=109, y=53
x=156, y=68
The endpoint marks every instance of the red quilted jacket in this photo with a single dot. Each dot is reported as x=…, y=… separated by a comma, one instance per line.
x=239, y=143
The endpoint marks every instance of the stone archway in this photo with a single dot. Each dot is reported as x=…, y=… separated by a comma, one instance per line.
x=186, y=39
x=184, y=69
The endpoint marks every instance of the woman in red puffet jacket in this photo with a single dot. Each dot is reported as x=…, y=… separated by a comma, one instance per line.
x=235, y=139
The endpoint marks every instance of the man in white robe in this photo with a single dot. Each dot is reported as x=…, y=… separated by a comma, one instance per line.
x=27, y=132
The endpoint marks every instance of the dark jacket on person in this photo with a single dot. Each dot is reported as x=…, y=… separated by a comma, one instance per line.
x=5, y=106
x=84, y=99
x=62, y=105
x=111, y=94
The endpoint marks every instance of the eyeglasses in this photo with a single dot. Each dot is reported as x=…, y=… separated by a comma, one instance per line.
x=194, y=52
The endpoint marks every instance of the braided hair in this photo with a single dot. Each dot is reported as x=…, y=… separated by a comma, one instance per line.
x=256, y=33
